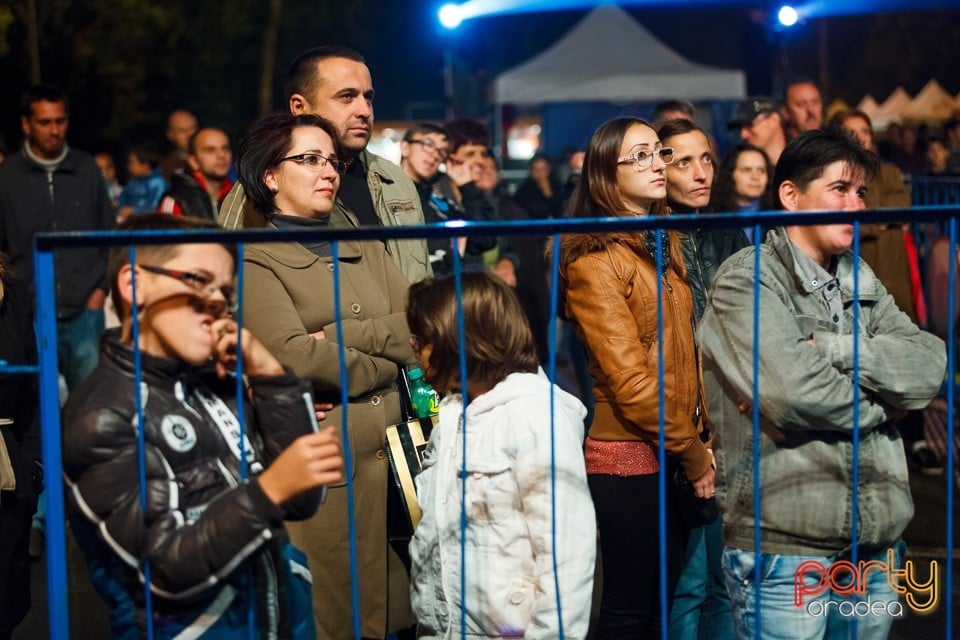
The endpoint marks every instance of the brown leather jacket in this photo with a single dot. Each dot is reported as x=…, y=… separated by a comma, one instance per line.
x=610, y=293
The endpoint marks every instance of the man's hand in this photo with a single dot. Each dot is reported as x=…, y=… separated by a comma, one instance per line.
x=311, y=461
x=460, y=172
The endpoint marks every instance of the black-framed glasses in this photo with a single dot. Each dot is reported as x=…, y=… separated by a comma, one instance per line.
x=316, y=161
x=202, y=284
x=644, y=158
x=430, y=145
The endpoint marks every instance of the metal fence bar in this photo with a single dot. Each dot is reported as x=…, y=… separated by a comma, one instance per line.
x=951, y=412
x=46, y=327
x=141, y=443
x=662, y=449
x=855, y=472
x=755, y=443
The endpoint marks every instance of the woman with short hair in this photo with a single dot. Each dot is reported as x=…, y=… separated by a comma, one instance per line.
x=288, y=166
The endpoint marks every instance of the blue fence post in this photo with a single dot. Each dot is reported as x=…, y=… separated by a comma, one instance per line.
x=46, y=327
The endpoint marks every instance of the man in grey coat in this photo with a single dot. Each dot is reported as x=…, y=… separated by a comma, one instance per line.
x=334, y=82
x=815, y=394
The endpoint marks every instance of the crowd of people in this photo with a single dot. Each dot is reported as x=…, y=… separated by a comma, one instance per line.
x=526, y=490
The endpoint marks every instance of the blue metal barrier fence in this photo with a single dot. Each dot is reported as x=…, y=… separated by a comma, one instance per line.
x=47, y=344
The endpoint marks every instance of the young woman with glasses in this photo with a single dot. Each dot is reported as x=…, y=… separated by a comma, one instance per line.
x=609, y=285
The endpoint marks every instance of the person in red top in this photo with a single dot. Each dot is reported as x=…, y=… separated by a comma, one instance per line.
x=199, y=192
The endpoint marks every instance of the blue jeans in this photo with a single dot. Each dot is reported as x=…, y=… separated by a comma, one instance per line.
x=701, y=606
x=78, y=345
x=825, y=614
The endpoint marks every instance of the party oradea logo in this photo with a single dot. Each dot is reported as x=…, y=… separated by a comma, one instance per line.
x=843, y=578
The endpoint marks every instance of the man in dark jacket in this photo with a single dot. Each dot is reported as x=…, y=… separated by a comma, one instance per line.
x=199, y=190
x=48, y=186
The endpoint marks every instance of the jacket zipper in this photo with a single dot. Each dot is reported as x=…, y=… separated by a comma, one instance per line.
x=696, y=261
x=271, y=604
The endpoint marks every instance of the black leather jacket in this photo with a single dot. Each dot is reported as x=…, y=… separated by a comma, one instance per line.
x=190, y=196
x=202, y=524
x=703, y=252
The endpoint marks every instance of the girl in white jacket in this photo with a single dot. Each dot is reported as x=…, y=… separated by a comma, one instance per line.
x=517, y=560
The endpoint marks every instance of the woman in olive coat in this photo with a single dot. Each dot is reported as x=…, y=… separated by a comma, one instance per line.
x=289, y=168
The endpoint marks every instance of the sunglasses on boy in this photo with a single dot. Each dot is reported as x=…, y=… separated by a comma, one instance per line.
x=202, y=285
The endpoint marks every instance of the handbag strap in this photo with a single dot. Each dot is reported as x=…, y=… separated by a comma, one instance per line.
x=403, y=386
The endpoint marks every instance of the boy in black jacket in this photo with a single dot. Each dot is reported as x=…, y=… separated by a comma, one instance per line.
x=207, y=526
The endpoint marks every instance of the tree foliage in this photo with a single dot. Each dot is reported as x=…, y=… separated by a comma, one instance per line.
x=127, y=63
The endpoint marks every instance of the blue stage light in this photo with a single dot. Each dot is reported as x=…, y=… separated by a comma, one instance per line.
x=450, y=15
x=787, y=16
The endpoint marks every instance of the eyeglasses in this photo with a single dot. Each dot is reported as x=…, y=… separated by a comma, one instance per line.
x=316, y=161
x=430, y=145
x=202, y=284
x=644, y=159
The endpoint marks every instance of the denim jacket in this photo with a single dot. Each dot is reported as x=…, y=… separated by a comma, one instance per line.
x=806, y=400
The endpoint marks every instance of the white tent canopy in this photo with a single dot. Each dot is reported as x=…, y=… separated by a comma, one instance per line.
x=868, y=104
x=894, y=104
x=609, y=57
x=933, y=102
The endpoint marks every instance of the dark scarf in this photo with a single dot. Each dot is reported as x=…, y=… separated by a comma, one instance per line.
x=320, y=248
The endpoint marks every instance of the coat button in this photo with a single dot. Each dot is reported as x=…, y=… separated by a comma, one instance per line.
x=381, y=454
x=329, y=266
x=516, y=597
x=355, y=307
x=375, y=401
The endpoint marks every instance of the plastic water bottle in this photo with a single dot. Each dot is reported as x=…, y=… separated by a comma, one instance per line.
x=426, y=402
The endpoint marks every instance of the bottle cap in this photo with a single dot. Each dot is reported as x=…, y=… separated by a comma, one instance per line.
x=415, y=373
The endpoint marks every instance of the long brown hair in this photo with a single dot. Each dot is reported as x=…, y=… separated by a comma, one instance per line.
x=598, y=195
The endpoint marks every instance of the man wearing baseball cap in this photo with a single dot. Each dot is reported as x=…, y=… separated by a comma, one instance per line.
x=758, y=121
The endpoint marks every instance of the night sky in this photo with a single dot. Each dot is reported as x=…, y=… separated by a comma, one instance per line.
x=127, y=80
x=408, y=65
